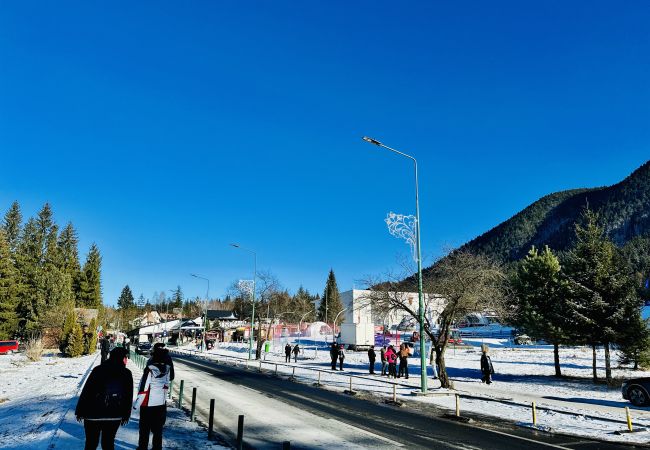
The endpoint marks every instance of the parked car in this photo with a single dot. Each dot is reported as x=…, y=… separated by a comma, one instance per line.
x=8, y=347
x=523, y=339
x=143, y=348
x=636, y=391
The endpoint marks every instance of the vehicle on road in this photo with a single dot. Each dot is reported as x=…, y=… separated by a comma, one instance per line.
x=636, y=391
x=8, y=347
x=143, y=348
x=523, y=339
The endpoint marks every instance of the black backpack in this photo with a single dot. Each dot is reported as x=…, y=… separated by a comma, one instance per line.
x=113, y=394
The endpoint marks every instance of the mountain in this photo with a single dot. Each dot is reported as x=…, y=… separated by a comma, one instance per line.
x=624, y=210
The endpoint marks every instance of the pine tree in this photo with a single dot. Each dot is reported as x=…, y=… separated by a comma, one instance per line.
x=126, y=301
x=634, y=344
x=91, y=288
x=331, y=305
x=12, y=225
x=68, y=247
x=66, y=330
x=75, y=341
x=541, y=310
x=8, y=290
x=90, y=341
x=610, y=301
x=28, y=262
x=177, y=298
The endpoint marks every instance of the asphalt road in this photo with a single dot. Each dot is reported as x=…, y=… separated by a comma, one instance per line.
x=417, y=426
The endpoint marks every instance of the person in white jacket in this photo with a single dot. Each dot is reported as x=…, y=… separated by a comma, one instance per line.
x=152, y=400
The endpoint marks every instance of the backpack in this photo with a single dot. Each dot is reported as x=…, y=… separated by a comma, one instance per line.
x=113, y=394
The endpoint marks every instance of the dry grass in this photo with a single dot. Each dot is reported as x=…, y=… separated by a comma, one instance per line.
x=34, y=349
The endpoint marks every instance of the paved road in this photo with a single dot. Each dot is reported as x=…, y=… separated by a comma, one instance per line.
x=358, y=422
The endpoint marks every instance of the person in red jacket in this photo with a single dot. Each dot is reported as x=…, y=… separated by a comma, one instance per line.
x=105, y=400
x=391, y=357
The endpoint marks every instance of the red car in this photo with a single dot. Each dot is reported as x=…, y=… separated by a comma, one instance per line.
x=8, y=347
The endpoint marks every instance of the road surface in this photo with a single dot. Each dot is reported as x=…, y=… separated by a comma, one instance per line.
x=278, y=410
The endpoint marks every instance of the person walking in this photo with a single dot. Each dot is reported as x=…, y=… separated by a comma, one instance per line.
x=391, y=357
x=152, y=399
x=403, y=361
x=127, y=347
x=487, y=370
x=371, y=359
x=164, y=354
x=105, y=401
x=296, y=350
x=334, y=354
x=104, y=348
x=382, y=355
x=341, y=357
x=287, y=353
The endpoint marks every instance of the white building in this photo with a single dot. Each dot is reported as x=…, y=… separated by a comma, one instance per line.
x=358, y=328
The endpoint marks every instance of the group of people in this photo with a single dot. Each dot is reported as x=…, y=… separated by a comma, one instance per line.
x=288, y=351
x=106, y=401
x=389, y=357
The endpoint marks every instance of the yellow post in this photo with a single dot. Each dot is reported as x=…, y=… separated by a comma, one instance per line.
x=534, y=415
x=260, y=365
x=629, y=419
x=457, y=405
x=394, y=394
x=319, y=377
x=350, y=384
x=276, y=370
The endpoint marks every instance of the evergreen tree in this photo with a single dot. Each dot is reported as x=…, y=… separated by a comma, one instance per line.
x=541, y=311
x=68, y=247
x=28, y=262
x=612, y=303
x=634, y=344
x=331, y=305
x=302, y=305
x=90, y=341
x=91, y=288
x=12, y=225
x=66, y=330
x=126, y=301
x=177, y=298
x=8, y=290
x=75, y=342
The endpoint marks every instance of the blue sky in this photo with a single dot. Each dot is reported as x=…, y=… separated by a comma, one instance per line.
x=166, y=130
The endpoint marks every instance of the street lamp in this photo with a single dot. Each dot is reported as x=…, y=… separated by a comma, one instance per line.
x=205, y=308
x=335, y=319
x=423, y=362
x=300, y=324
x=250, y=339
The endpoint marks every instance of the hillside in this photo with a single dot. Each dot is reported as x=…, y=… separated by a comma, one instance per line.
x=624, y=209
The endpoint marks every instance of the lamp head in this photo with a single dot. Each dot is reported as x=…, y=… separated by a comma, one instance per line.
x=235, y=245
x=372, y=141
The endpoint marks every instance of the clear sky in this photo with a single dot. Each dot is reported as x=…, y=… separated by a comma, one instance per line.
x=165, y=130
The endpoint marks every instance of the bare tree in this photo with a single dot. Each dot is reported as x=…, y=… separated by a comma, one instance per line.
x=458, y=284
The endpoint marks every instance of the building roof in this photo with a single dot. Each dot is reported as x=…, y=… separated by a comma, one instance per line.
x=217, y=314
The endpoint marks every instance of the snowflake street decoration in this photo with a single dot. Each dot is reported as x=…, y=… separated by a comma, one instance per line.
x=246, y=286
x=403, y=227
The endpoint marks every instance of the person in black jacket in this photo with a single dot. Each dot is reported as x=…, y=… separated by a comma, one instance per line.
x=104, y=348
x=287, y=353
x=487, y=370
x=371, y=359
x=334, y=354
x=105, y=400
x=164, y=353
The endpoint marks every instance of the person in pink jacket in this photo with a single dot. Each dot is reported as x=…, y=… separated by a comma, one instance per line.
x=391, y=357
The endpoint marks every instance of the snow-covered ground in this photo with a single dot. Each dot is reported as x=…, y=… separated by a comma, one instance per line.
x=573, y=405
x=37, y=401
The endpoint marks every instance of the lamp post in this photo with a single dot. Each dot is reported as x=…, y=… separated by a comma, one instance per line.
x=423, y=362
x=250, y=339
x=335, y=319
x=205, y=307
x=300, y=324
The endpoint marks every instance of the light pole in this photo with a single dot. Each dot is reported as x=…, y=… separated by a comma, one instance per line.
x=205, y=308
x=300, y=324
x=250, y=339
x=423, y=362
x=337, y=316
